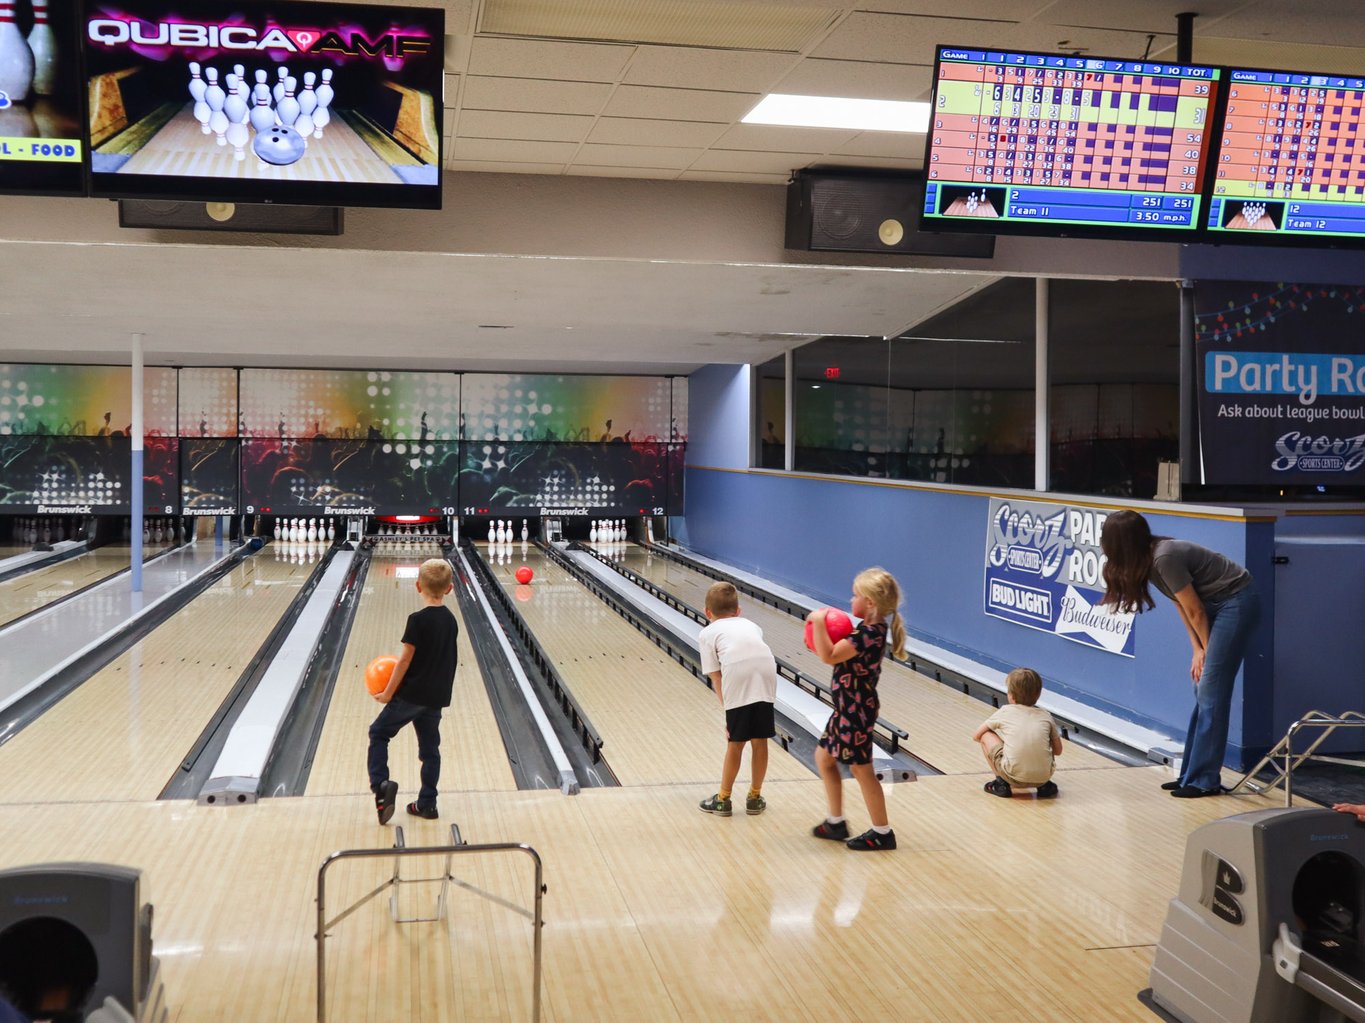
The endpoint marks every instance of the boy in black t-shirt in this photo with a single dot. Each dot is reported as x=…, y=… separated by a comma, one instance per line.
x=418, y=688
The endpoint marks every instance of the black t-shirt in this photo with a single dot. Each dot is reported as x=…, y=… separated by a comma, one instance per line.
x=432, y=633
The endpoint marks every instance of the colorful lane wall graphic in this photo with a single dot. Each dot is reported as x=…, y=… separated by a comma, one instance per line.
x=1044, y=570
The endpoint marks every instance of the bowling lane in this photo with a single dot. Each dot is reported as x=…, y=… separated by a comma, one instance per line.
x=28, y=592
x=940, y=719
x=122, y=734
x=473, y=758
x=658, y=723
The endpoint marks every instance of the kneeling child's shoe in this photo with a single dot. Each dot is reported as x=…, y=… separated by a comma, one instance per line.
x=999, y=787
x=1047, y=790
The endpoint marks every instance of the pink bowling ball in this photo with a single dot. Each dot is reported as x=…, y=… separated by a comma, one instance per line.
x=838, y=625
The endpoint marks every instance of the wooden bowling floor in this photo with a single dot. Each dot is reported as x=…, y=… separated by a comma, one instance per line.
x=989, y=910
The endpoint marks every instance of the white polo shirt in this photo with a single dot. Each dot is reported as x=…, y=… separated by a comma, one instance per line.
x=748, y=673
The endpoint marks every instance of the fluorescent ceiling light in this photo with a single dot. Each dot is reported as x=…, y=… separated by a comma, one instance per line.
x=833, y=112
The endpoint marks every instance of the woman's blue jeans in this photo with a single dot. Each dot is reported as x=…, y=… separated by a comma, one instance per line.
x=1231, y=624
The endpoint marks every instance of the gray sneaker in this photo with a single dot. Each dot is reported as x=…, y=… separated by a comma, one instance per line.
x=755, y=805
x=716, y=805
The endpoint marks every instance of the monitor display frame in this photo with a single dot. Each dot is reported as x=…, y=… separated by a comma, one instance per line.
x=1277, y=211
x=1050, y=208
x=42, y=134
x=385, y=109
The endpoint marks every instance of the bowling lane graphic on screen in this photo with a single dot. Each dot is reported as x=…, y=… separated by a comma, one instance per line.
x=350, y=405
x=207, y=99
x=283, y=477
x=554, y=408
x=40, y=98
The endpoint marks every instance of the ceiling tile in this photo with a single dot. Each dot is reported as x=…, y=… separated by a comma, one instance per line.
x=640, y=131
x=880, y=162
x=559, y=60
x=1011, y=10
x=506, y=124
x=513, y=150
x=533, y=95
x=728, y=70
x=658, y=173
x=897, y=39
x=855, y=79
x=753, y=163
x=679, y=104
x=500, y=167
x=637, y=156
x=1152, y=15
x=890, y=144
x=771, y=137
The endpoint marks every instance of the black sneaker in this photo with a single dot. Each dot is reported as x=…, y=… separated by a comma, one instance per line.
x=870, y=841
x=426, y=813
x=834, y=832
x=999, y=787
x=1047, y=790
x=384, y=795
x=1171, y=786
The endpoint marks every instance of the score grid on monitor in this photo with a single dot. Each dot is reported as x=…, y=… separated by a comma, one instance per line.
x=1035, y=143
x=1289, y=160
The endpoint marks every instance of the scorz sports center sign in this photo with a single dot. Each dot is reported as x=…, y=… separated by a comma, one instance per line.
x=1044, y=570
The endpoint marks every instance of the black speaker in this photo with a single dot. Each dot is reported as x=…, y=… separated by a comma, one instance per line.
x=847, y=211
x=257, y=218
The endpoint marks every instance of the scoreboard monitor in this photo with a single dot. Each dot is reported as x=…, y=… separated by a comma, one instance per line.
x=1027, y=143
x=1289, y=165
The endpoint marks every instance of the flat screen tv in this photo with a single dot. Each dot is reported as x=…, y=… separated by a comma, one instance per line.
x=41, y=113
x=1028, y=143
x=1289, y=163
x=274, y=102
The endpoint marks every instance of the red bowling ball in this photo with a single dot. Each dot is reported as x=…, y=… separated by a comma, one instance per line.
x=524, y=574
x=837, y=624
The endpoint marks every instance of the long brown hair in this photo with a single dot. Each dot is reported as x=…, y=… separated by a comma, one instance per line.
x=1126, y=541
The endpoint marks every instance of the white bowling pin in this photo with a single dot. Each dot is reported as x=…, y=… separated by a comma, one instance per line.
x=321, y=118
x=303, y=124
x=312, y=531
x=283, y=72
x=287, y=109
x=524, y=532
x=492, y=532
x=42, y=42
x=277, y=529
x=592, y=533
x=214, y=95
x=325, y=90
x=203, y=113
x=262, y=116
x=235, y=106
x=238, y=135
x=16, y=59
x=331, y=529
x=218, y=124
x=197, y=84
x=308, y=99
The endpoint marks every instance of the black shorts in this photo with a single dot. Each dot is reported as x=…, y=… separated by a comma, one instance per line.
x=752, y=721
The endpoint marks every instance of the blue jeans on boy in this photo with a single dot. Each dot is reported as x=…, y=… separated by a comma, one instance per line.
x=1231, y=623
x=426, y=722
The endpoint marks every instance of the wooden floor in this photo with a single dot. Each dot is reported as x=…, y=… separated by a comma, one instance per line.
x=31, y=590
x=989, y=910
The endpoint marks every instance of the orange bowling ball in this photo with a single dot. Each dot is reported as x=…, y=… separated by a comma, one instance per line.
x=524, y=574
x=379, y=672
x=837, y=624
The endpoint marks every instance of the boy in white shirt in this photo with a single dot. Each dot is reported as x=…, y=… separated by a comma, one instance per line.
x=744, y=675
x=1021, y=739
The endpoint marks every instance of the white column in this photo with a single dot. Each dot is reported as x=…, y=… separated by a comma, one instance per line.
x=1042, y=424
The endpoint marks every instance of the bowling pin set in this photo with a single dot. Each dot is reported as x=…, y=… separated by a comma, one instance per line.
x=321, y=530
x=227, y=112
x=607, y=531
x=28, y=66
x=398, y=538
x=45, y=529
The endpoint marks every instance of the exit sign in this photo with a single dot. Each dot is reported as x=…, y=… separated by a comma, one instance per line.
x=831, y=372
